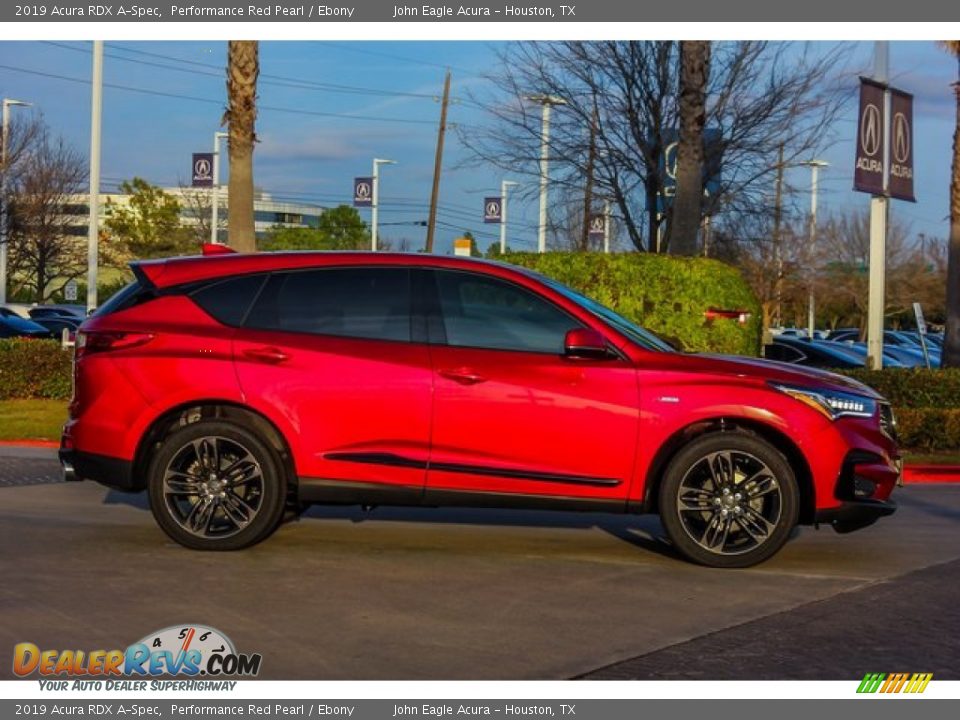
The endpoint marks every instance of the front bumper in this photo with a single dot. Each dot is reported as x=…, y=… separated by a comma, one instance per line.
x=855, y=514
x=113, y=472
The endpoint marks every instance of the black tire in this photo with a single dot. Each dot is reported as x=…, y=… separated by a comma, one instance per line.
x=216, y=485
x=729, y=500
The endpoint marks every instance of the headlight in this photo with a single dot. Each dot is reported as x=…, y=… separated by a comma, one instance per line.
x=832, y=403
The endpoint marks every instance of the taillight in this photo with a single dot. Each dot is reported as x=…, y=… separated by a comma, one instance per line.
x=95, y=342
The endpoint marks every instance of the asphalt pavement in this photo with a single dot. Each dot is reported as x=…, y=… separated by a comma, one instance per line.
x=471, y=594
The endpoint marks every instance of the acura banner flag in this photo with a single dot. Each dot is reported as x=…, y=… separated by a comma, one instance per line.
x=868, y=175
x=901, y=145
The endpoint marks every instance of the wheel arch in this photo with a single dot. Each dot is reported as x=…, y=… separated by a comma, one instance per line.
x=772, y=435
x=197, y=410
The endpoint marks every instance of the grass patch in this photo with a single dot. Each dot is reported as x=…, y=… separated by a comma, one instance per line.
x=32, y=419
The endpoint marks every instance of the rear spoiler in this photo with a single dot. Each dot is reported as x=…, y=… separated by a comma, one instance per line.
x=216, y=249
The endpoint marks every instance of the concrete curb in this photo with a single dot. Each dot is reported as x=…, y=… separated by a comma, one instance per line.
x=30, y=443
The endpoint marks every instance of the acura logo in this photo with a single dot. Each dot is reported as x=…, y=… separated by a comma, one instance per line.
x=901, y=138
x=493, y=209
x=202, y=168
x=596, y=223
x=363, y=190
x=870, y=130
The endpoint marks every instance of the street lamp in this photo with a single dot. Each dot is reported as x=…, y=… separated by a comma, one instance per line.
x=7, y=104
x=503, y=214
x=546, y=102
x=814, y=166
x=215, y=200
x=374, y=205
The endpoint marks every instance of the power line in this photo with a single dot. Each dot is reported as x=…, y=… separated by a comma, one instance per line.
x=209, y=101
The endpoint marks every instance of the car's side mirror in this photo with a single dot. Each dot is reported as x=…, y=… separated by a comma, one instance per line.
x=585, y=343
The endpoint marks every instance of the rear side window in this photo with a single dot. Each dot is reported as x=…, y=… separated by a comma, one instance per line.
x=372, y=303
x=228, y=300
x=129, y=296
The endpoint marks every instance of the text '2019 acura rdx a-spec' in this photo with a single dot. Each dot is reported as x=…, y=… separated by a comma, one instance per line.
x=234, y=388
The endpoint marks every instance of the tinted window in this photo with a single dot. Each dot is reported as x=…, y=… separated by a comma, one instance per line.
x=783, y=353
x=351, y=302
x=120, y=300
x=485, y=312
x=228, y=300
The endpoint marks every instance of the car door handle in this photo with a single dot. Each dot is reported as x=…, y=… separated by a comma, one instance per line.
x=270, y=355
x=464, y=376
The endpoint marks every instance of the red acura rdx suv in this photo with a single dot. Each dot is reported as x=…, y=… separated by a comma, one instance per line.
x=235, y=388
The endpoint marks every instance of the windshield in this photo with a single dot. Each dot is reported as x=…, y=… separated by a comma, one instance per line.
x=641, y=336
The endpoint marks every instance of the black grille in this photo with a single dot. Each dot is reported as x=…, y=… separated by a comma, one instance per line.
x=888, y=423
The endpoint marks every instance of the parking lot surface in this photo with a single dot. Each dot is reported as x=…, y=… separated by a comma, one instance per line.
x=470, y=594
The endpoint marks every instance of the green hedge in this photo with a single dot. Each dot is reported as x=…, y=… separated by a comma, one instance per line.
x=914, y=387
x=926, y=402
x=669, y=295
x=34, y=369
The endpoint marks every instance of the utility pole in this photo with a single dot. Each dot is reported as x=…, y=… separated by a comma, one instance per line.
x=588, y=189
x=879, y=206
x=438, y=163
x=814, y=166
x=7, y=104
x=375, y=201
x=546, y=102
x=778, y=240
x=504, y=184
x=215, y=191
x=93, y=226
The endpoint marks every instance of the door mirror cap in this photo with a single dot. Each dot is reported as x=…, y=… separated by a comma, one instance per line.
x=585, y=342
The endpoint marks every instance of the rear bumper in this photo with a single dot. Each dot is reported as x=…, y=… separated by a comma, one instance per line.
x=854, y=515
x=113, y=472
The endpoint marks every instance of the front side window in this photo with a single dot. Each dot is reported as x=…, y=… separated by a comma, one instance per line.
x=485, y=312
x=371, y=303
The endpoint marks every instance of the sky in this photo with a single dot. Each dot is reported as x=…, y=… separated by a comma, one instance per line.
x=328, y=108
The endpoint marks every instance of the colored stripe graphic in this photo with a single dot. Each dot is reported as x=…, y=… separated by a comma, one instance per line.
x=894, y=682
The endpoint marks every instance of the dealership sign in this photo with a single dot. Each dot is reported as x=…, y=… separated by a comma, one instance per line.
x=598, y=226
x=202, y=172
x=712, y=165
x=884, y=159
x=363, y=192
x=492, y=210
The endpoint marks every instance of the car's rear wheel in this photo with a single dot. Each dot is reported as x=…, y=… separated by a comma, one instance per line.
x=215, y=485
x=728, y=500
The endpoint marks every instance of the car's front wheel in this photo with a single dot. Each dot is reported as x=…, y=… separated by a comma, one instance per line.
x=215, y=485
x=729, y=499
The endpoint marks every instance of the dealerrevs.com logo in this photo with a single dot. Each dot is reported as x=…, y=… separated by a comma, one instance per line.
x=179, y=650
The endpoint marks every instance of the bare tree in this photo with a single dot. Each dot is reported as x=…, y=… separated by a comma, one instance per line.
x=951, y=351
x=43, y=243
x=759, y=95
x=243, y=69
x=686, y=214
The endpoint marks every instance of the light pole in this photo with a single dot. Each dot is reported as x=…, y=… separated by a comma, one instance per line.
x=879, y=205
x=215, y=192
x=93, y=224
x=814, y=166
x=606, y=226
x=374, y=205
x=503, y=214
x=7, y=104
x=546, y=102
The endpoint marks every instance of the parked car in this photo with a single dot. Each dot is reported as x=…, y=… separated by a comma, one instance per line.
x=56, y=325
x=817, y=354
x=57, y=311
x=15, y=309
x=14, y=326
x=234, y=388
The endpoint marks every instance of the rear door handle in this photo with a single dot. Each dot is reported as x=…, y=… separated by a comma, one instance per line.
x=269, y=355
x=464, y=376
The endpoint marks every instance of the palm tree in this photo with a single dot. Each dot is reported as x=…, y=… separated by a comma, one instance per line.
x=243, y=68
x=951, y=355
x=694, y=75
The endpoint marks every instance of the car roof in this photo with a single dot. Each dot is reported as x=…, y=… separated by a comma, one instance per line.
x=185, y=269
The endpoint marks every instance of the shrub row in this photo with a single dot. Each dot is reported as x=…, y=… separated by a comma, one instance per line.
x=929, y=428
x=666, y=294
x=914, y=387
x=34, y=369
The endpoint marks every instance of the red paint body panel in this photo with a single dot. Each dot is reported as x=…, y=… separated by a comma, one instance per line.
x=445, y=417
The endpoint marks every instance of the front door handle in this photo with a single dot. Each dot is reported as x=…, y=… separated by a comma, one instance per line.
x=464, y=376
x=269, y=355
